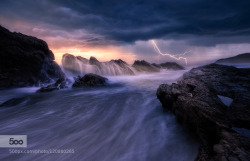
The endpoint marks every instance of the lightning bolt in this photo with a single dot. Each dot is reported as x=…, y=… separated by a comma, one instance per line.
x=176, y=57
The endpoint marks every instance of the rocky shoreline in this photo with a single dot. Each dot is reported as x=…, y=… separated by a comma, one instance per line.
x=25, y=61
x=195, y=102
x=75, y=65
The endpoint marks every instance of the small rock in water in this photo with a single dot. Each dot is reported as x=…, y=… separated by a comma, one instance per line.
x=60, y=84
x=89, y=80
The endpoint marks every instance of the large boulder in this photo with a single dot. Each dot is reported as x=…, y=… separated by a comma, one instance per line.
x=89, y=80
x=198, y=101
x=143, y=66
x=25, y=60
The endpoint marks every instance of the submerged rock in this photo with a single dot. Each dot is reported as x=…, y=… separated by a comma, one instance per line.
x=25, y=60
x=143, y=66
x=14, y=101
x=59, y=84
x=89, y=80
x=195, y=102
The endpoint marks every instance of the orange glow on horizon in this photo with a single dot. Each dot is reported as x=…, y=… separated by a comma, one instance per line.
x=61, y=45
x=101, y=54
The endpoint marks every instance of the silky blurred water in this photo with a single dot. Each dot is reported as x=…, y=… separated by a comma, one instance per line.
x=122, y=121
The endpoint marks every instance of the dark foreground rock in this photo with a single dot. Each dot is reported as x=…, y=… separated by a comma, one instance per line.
x=241, y=58
x=195, y=102
x=169, y=65
x=89, y=80
x=25, y=60
x=143, y=66
x=59, y=84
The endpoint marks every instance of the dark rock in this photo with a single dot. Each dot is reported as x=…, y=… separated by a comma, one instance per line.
x=241, y=58
x=25, y=60
x=143, y=66
x=89, y=80
x=14, y=101
x=195, y=102
x=59, y=84
x=169, y=65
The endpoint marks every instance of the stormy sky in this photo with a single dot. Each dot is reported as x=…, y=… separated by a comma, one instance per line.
x=209, y=29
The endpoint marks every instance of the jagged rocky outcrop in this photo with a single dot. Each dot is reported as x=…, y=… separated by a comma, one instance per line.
x=144, y=66
x=169, y=66
x=73, y=64
x=76, y=65
x=79, y=65
x=94, y=61
x=89, y=80
x=195, y=102
x=241, y=58
x=121, y=67
x=25, y=60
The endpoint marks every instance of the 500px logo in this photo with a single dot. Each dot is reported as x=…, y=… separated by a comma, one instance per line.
x=13, y=141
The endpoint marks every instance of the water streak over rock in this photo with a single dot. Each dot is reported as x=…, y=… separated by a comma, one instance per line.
x=143, y=66
x=79, y=65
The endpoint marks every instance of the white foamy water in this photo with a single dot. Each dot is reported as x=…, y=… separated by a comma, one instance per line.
x=122, y=121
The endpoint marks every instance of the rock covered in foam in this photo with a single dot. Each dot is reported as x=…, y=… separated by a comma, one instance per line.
x=144, y=66
x=89, y=80
x=73, y=65
x=79, y=65
x=25, y=60
x=121, y=66
x=94, y=61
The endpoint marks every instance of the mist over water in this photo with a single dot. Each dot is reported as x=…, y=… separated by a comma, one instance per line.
x=122, y=121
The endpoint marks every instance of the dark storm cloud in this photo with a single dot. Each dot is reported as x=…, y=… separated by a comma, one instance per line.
x=225, y=21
